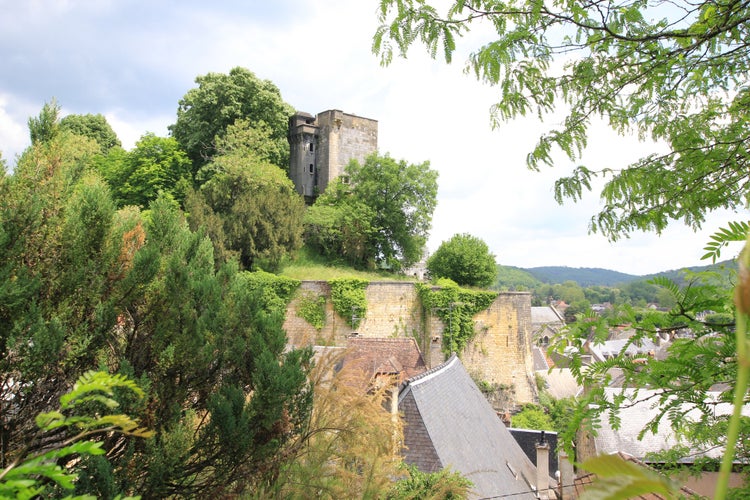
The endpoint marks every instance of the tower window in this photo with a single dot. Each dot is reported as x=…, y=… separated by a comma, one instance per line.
x=312, y=168
x=312, y=146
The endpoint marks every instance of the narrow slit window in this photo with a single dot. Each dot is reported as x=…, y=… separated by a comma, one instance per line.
x=312, y=168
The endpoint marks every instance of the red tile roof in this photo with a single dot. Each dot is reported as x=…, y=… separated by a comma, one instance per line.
x=384, y=356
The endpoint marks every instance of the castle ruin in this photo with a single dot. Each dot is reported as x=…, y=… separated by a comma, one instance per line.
x=321, y=146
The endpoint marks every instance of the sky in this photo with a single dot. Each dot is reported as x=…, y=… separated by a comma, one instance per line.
x=132, y=61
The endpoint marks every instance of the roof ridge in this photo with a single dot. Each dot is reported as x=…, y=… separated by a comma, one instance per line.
x=431, y=371
x=386, y=339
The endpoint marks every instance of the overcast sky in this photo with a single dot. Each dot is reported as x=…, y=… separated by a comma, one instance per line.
x=133, y=60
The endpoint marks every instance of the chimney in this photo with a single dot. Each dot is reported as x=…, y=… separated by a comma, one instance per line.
x=567, y=489
x=542, y=468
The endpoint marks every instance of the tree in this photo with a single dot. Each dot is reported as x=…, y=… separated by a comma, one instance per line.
x=532, y=416
x=246, y=138
x=465, y=259
x=205, y=112
x=380, y=216
x=94, y=127
x=46, y=126
x=251, y=208
x=154, y=165
x=339, y=226
x=445, y=484
x=84, y=285
x=674, y=73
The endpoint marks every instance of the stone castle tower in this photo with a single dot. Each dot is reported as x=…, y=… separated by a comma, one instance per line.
x=323, y=145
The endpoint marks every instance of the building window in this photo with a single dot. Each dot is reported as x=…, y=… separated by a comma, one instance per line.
x=312, y=168
x=312, y=146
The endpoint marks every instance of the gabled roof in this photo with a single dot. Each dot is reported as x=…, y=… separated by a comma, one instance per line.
x=546, y=315
x=450, y=424
x=384, y=356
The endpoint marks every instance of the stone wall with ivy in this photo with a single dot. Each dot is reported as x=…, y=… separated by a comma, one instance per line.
x=500, y=351
x=489, y=330
x=390, y=309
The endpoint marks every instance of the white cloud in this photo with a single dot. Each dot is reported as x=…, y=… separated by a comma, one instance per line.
x=14, y=133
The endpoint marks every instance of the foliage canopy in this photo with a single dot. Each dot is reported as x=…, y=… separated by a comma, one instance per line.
x=205, y=112
x=155, y=165
x=673, y=72
x=250, y=209
x=465, y=259
x=94, y=127
x=85, y=285
x=379, y=215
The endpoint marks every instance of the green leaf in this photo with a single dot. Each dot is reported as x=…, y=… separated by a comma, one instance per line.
x=618, y=478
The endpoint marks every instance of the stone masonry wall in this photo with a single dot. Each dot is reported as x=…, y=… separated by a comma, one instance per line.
x=393, y=310
x=343, y=137
x=320, y=148
x=500, y=353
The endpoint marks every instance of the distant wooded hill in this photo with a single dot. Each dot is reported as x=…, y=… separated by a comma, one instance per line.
x=510, y=277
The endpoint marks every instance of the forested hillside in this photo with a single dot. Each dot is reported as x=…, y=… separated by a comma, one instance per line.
x=512, y=278
x=584, y=276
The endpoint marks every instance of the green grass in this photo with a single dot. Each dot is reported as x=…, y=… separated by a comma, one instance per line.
x=310, y=266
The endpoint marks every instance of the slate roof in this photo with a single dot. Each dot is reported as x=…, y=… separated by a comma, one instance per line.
x=546, y=315
x=449, y=423
x=384, y=356
x=527, y=440
x=560, y=382
x=634, y=419
x=611, y=348
x=539, y=358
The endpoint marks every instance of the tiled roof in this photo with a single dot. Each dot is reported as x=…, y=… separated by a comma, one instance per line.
x=449, y=423
x=384, y=356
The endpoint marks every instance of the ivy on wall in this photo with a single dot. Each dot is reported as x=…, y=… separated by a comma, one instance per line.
x=349, y=301
x=276, y=291
x=456, y=308
x=312, y=308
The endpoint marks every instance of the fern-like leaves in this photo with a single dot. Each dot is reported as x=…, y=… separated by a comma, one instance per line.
x=737, y=231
